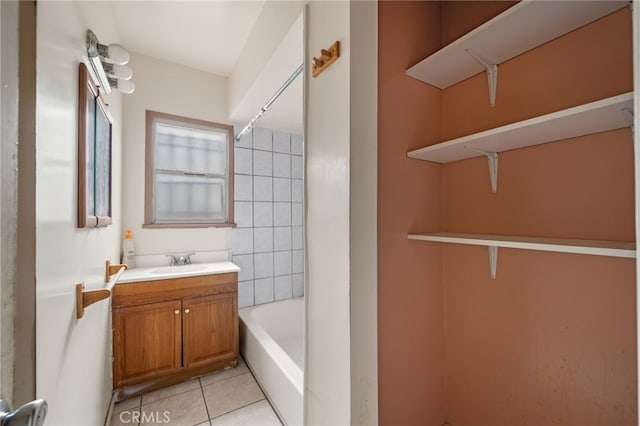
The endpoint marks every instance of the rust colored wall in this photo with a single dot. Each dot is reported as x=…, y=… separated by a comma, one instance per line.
x=576, y=188
x=552, y=340
x=460, y=17
x=410, y=294
x=591, y=63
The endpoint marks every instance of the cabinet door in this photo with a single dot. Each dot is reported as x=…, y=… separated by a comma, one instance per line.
x=146, y=342
x=210, y=329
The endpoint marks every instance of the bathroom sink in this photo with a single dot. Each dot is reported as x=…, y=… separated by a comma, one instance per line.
x=181, y=269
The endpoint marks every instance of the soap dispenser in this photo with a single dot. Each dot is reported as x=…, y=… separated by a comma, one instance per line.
x=128, y=250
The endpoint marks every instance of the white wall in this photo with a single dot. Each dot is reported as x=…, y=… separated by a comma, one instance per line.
x=286, y=113
x=8, y=185
x=272, y=26
x=327, y=355
x=173, y=89
x=636, y=146
x=73, y=357
x=341, y=220
x=363, y=215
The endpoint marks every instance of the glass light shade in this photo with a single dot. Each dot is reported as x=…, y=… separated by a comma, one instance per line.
x=121, y=72
x=125, y=86
x=118, y=54
x=115, y=53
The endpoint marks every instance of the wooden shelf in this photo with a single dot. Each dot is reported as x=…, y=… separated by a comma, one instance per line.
x=598, y=248
x=520, y=28
x=599, y=116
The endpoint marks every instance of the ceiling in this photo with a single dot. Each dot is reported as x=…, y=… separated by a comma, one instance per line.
x=210, y=35
x=206, y=35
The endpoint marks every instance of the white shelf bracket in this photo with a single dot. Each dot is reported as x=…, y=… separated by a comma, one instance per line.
x=630, y=117
x=492, y=159
x=492, y=74
x=493, y=260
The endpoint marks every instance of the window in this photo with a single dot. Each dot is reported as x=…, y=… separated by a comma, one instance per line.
x=189, y=175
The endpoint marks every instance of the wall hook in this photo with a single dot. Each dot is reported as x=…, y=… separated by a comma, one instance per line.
x=327, y=57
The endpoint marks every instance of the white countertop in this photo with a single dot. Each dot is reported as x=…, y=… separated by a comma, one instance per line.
x=178, y=271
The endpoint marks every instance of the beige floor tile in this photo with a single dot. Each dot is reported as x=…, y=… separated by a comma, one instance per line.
x=128, y=403
x=230, y=394
x=128, y=416
x=185, y=409
x=170, y=391
x=259, y=413
x=217, y=376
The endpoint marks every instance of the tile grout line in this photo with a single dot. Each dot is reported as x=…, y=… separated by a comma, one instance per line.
x=225, y=379
x=264, y=150
x=253, y=223
x=206, y=406
x=242, y=407
x=273, y=240
x=291, y=218
x=169, y=396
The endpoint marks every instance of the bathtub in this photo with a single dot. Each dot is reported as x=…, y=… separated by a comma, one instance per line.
x=271, y=344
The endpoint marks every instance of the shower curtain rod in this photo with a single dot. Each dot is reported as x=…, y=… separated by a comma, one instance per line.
x=271, y=100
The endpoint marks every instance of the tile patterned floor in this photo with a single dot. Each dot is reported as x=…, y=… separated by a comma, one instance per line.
x=224, y=398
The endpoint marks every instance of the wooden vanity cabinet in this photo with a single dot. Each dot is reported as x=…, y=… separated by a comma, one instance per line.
x=166, y=331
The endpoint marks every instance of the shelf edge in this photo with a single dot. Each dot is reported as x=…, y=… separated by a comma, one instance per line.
x=519, y=125
x=530, y=245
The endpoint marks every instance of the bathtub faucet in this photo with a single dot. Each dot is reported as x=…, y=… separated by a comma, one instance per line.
x=180, y=260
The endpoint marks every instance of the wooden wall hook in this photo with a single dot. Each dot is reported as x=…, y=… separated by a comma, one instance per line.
x=327, y=57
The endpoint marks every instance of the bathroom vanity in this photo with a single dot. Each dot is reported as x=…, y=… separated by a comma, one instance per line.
x=171, y=324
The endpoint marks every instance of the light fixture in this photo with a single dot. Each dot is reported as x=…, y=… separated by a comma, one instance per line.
x=125, y=86
x=122, y=72
x=108, y=63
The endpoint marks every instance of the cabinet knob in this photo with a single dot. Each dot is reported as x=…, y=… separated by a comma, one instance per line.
x=186, y=311
x=177, y=311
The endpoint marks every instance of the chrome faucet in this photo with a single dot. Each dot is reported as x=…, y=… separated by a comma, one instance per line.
x=180, y=259
x=30, y=414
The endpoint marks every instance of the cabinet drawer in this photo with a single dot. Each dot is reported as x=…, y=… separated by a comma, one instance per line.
x=139, y=293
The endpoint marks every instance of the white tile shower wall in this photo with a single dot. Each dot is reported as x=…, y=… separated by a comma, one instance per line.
x=268, y=242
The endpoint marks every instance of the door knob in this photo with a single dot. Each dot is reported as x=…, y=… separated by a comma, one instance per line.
x=186, y=311
x=177, y=311
x=30, y=414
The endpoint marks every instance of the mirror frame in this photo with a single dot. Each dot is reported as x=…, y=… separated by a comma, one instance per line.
x=93, y=138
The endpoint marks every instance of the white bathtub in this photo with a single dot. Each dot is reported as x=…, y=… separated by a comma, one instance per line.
x=271, y=344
